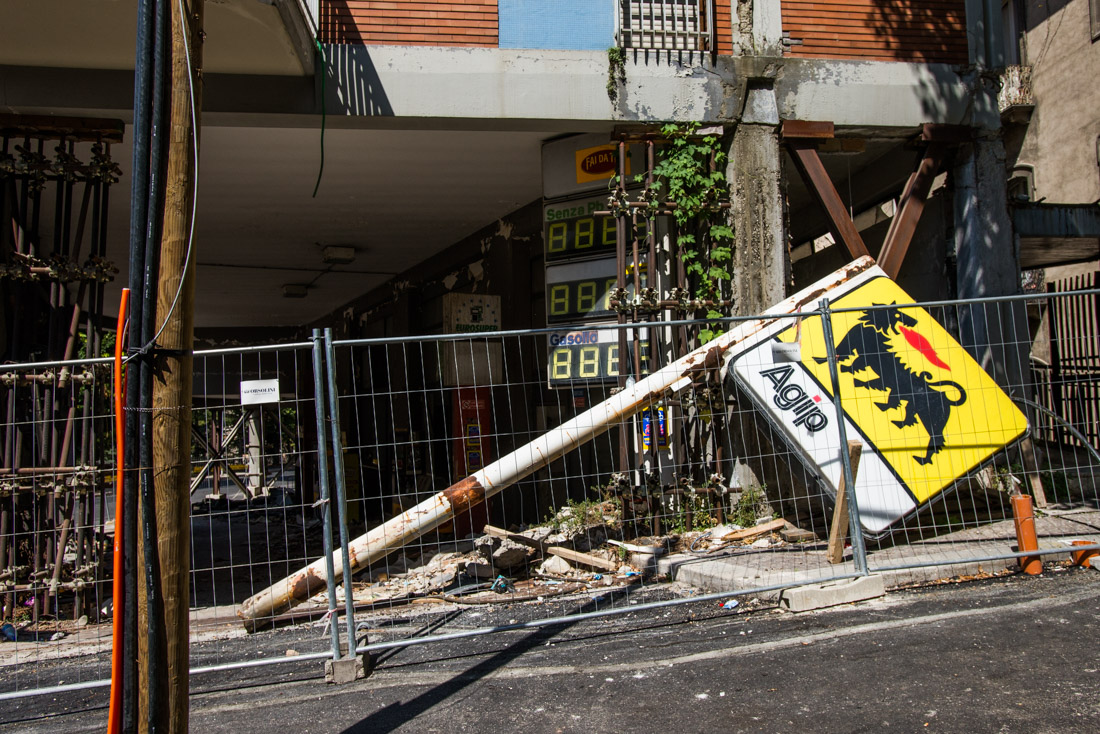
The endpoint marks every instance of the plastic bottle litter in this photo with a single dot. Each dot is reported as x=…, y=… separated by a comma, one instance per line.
x=731, y=604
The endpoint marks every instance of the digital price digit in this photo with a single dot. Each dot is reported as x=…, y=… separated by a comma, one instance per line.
x=590, y=356
x=572, y=229
x=579, y=299
x=582, y=291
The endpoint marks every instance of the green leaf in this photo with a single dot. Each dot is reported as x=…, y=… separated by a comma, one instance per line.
x=721, y=254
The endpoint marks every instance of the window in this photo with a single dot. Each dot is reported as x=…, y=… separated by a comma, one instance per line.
x=669, y=25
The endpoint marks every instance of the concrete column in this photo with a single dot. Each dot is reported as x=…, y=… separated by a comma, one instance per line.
x=988, y=263
x=757, y=27
x=761, y=273
x=761, y=264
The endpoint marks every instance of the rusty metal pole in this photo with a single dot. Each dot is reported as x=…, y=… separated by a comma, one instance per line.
x=260, y=609
x=620, y=284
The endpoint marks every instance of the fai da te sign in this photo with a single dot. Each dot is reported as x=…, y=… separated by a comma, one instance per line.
x=925, y=411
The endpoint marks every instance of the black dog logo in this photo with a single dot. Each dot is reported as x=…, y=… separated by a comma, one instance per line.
x=866, y=346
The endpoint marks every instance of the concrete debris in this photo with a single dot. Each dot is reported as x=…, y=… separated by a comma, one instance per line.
x=443, y=580
x=555, y=565
x=480, y=570
x=569, y=554
x=503, y=553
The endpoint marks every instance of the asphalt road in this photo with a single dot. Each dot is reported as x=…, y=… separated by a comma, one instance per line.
x=1013, y=654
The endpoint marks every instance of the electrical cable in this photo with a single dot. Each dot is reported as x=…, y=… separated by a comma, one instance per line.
x=194, y=196
x=138, y=211
x=324, y=73
x=118, y=647
x=158, y=164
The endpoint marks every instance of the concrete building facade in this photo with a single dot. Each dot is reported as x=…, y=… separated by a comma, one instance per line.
x=432, y=116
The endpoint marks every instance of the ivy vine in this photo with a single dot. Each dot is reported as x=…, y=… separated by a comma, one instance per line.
x=616, y=72
x=690, y=173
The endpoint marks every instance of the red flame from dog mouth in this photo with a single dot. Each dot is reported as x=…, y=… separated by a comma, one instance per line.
x=919, y=342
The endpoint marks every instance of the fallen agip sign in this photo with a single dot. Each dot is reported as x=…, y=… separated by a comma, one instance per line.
x=925, y=411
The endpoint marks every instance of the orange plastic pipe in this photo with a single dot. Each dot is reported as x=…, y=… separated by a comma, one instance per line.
x=1024, y=518
x=114, y=718
x=1084, y=557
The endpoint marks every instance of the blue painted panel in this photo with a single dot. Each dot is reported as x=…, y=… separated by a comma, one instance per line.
x=571, y=25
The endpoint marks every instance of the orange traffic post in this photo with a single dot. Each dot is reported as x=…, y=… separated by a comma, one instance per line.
x=114, y=718
x=1084, y=557
x=1024, y=518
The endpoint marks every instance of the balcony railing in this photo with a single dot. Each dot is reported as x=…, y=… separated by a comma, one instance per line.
x=667, y=25
x=1015, y=88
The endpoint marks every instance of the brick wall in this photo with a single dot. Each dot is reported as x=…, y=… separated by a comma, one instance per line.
x=723, y=25
x=885, y=30
x=410, y=22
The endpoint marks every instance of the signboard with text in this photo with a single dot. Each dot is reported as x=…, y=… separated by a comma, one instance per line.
x=925, y=411
x=592, y=355
x=258, y=392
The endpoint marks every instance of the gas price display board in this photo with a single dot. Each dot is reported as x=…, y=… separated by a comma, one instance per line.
x=592, y=355
x=572, y=230
x=581, y=276
x=581, y=291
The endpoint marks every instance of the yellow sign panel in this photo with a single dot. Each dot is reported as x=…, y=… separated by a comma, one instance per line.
x=926, y=406
x=599, y=163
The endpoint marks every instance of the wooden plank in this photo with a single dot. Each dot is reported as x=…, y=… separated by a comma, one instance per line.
x=49, y=127
x=817, y=178
x=838, y=530
x=908, y=215
x=756, y=530
x=585, y=559
x=794, y=534
x=791, y=129
x=521, y=539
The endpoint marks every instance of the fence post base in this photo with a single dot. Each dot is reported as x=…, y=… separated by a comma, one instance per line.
x=348, y=670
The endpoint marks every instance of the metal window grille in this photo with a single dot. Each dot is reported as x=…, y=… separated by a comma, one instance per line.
x=667, y=25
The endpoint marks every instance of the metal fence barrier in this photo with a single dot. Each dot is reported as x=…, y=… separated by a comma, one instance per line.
x=702, y=484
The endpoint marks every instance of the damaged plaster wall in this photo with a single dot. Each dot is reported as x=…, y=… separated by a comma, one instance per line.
x=1063, y=138
x=760, y=258
x=761, y=262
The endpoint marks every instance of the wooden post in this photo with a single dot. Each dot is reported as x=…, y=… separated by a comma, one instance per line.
x=173, y=368
x=838, y=531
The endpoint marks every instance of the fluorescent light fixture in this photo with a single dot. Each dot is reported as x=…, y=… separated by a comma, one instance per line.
x=338, y=254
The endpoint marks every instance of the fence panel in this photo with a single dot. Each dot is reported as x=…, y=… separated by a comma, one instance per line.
x=700, y=484
x=56, y=515
x=678, y=486
x=253, y=515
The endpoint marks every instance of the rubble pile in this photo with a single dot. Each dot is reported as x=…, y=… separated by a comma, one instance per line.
x=561, y=557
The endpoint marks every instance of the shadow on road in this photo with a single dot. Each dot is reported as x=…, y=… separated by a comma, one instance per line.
x=397, y=714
